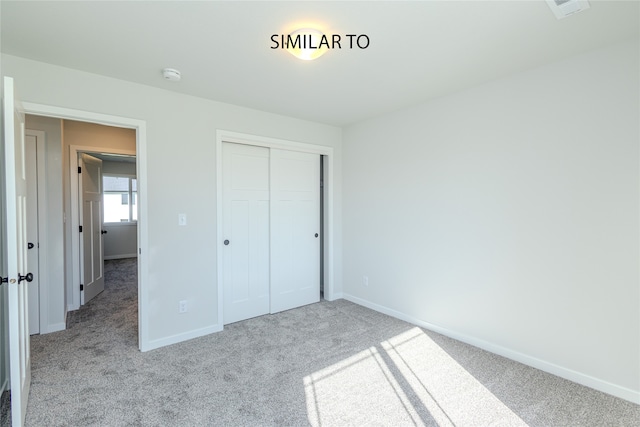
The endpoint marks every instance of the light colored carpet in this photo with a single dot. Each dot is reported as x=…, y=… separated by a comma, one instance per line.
x=5, y=409
x=329, y=364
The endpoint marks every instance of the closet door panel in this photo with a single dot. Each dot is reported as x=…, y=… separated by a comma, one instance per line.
x=295, y=229
x=245, y=195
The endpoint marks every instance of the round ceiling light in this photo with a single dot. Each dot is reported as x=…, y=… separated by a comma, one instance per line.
x=306, y=44
x=171, y=74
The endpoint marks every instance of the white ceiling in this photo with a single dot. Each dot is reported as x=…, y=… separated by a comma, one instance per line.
x=418, y=50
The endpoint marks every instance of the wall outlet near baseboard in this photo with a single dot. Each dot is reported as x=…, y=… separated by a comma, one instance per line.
x=183, y=306
x=365, y=280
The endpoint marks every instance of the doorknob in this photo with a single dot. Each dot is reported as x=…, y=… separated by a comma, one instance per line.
x=4, y=280
x=28, y=277
x=316, y=234
x=29, y=245
x=226, y=242
x=103, y=232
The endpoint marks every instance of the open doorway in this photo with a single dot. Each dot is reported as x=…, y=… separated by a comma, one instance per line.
x=108, y=215
x=86, y=143
x=103, y=198
x=68, y=133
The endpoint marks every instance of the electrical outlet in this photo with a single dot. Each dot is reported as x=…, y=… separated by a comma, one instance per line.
x=183, y=306
x=365, y=280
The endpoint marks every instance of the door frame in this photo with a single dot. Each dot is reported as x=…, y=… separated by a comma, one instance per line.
x=43, y=244
x=140, y=126
x=328, y=173
x=74, y=180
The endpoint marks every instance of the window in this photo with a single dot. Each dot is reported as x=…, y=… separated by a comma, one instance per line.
x=120, y=198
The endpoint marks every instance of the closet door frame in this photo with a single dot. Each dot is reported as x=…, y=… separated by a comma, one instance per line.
x=328, y=214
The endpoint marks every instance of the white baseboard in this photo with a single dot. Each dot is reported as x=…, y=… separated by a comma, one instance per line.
x=566, y=373
x=174, y=339
x=121, y=256
x=335, y=296
x=55, y=327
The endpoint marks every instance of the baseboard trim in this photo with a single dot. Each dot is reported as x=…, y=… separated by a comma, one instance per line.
x=566, y=373
x=123, y=256
x=55, y=327
x=174, y=339
x=337, y=295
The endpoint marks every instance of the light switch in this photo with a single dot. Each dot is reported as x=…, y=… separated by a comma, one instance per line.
x=182, y=219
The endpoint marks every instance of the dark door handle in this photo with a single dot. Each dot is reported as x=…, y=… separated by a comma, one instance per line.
x=316, y=234
x=29, y=245
x=103, y=232
x=4, y=280
x=226, y=242
x=28, y=277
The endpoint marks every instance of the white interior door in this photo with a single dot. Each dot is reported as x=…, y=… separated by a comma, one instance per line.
x=245, y=218
x=33, y=246
x=15, y=194
x=295, y=229
x=91, y=246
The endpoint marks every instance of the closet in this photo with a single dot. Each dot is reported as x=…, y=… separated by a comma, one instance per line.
x=270, y=229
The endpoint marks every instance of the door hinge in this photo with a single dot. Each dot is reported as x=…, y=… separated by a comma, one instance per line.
x=81, y=229
x=81, y=287
x=79, y=169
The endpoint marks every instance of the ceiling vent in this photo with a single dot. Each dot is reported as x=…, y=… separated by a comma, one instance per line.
x=564, y=8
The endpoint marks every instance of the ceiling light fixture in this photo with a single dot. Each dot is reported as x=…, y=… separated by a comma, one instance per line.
x=305, y=44
x=171, y=74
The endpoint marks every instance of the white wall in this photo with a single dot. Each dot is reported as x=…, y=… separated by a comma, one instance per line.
x=181, y=179
x=56, y=306
x=507, y=215
x=121, y=240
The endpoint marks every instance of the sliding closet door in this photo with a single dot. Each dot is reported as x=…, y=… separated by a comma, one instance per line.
x=245, y=195
x=295, y=228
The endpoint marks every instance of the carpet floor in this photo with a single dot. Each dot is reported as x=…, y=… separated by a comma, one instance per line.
x=325, y=364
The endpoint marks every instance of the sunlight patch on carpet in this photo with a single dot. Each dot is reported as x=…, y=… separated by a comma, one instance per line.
x=408, y=379
x=355, y=391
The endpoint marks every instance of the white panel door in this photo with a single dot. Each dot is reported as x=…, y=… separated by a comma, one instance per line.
x=32, y=234
x=15, y=203
x=245, y=225
x=91, y=246
x=295, y=229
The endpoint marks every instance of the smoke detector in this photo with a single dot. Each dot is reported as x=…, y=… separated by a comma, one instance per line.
x=564, y=8
x=171, y=74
